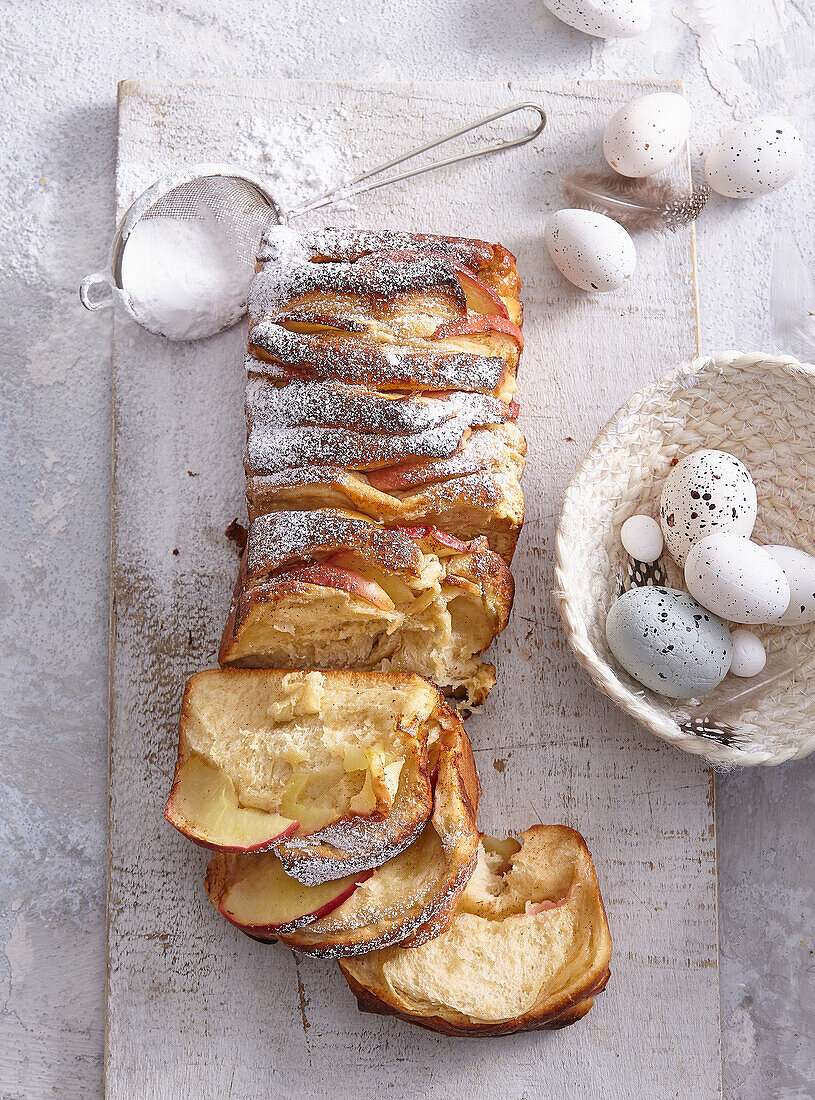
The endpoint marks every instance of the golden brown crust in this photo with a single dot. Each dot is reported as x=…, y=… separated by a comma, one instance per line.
x=566, y=1006
x=368, y=1002
x=474, y=497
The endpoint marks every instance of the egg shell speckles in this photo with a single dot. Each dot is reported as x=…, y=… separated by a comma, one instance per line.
x=708, y=491
x=799, y=569
x=754, y=158
x=603, y=18
x=737, y=580
x=668, y=643
x=646, y=135
x=593, y=252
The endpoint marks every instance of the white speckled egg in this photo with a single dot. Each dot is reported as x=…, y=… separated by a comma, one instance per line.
x=668, y=643
x=735, y=579
x=707, y=491
x=799, y=569
x=749, y=655
x=644, y=136
x=641, y=537
x=754, y=158
x=593, y=252
x=603, y=18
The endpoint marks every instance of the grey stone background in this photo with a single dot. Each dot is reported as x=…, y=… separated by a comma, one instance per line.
x=60, y=62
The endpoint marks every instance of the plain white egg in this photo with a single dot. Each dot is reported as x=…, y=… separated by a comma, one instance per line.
x=799, y=569
x=749, y=655
x=646, y=135
x=707, y=491
x=593, y=252
x=754, y=158
x=736, y=579
x=641, y=537
x=603, y=18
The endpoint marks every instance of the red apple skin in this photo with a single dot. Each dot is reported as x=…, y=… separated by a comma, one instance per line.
x=479, y=322
x=262, y=846
x=346, y=580
x=481, y=298
x=254, y=849
x=435, y=532
x=258, y=930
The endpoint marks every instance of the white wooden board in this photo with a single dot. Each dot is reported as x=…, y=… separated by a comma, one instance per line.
x=194, y=1008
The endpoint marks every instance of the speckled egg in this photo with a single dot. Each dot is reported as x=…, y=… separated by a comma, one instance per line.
x=707, y=491
x=736, y=579
x=646, y=135
x=754, y=158
x=603, y=18
x=668, y=643
x=593, y=252
x=799, y=569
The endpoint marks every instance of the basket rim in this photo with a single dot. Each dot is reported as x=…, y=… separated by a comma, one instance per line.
x=638, y=703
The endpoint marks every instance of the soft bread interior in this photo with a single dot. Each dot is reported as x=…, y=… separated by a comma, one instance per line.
x=529, y=938
x=418, y=885
x=440, y=623
x=314, y=748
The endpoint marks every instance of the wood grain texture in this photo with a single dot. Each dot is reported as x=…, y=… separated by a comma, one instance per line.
x=193, y=1007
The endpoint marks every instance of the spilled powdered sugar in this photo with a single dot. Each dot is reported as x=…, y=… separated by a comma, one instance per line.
x=300, y=157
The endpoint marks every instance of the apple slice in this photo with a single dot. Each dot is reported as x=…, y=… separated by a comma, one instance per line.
x=481, y=298
x=436, y=533
x=346, y=580
x=265, y=900
x=204, y=806
x=478, y=323
x=532, y=908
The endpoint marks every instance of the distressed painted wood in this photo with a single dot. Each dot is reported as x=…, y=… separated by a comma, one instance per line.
x=196, y=1009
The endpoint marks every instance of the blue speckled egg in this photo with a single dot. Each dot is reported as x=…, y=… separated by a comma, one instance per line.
x=707, y=491
x=668, y=642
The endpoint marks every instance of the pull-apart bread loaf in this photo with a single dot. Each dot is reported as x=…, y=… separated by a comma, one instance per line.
x=414, y=891
x=388, y=310
x=528, y=946
x=331, y=589
x=332, y=770
x=381, y=370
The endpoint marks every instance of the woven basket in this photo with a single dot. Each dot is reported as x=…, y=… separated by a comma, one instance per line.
x=761, y=409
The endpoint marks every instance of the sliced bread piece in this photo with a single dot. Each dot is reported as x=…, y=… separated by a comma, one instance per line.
x=419, y=886
x=333, y=589
x=315, y=759
x=528, y=947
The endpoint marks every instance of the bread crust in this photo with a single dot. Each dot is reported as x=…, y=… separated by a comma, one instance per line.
x=570, y=1004
x=455, y=805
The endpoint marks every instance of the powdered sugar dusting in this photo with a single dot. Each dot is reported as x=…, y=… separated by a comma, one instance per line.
x=307, y=423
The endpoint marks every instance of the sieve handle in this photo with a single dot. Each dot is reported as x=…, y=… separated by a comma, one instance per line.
x=92, y=282
x=361, y=183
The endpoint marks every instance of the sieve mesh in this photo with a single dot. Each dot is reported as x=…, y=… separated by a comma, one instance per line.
x=240, y=209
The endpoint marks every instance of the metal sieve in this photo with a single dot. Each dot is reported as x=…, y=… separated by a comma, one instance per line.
x=244, y=208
